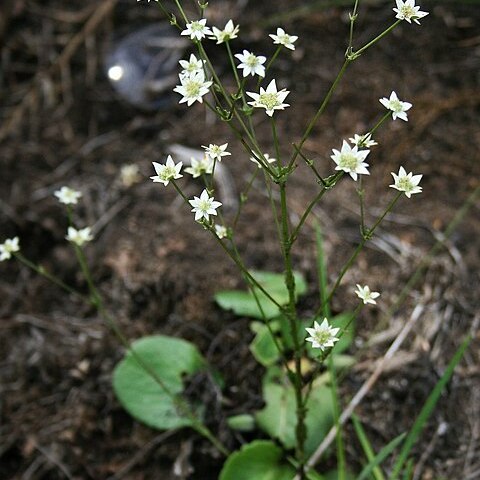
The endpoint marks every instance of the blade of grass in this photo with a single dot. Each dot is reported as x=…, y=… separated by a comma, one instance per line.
x=427, y=410
x=322, y=270
x=341, y=463
x=367, y=447
x=384, y=453
x=409, y=470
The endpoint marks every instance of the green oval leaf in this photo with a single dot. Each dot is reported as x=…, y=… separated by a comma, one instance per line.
x=243, y=303
x=171, y=359
x=259, y=460
x=243, y=422
x=278, y=417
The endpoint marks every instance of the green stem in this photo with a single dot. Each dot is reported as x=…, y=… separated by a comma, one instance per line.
x=320, y=110
x=312, y=204
x=269, y=64
x=353, y=18
x=300, y=430
x=356, y=54
x=41, y=271
x=181, y=404
x=309, y=164
x=361, y=197
x=245, y=271
x=379, y=123
x=180, y=9
x=266, y=321
x=276, y=142
x=367, y=236
x=243, y=197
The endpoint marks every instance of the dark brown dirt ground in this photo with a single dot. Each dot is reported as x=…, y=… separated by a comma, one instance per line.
x=62, y=124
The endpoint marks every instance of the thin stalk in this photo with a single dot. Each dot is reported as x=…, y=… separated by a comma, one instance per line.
x=234, y=69
x=326, y=355
x=240, y=84
x=300, y=430
x=238, y=262
x=341, y=461
x=245, y=271
x=273, y=207
x=320, y=194
x=243, y=197
x=321, y=109
x=353, y=18
x=170, y=16
x=96, y=301
x=41, y=271
x=266, y=321
x=361, y=197
x=375, y=40
x=269, y=64
x=379, y=123
x=367, y=236
x=180, y=9
x=276, y=142
x=309, y=164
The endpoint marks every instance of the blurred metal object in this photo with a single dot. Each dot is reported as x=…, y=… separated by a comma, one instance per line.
x=223, y=178
x=143, y=66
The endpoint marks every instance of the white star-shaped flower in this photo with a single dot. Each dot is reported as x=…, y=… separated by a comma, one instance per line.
x=363, y=141
x=366, y=295
x=192, y=87
x=251, y=64
x=351, y=160
x=9, y=246
x=204, y=206
x=216, y=151
x=398, y=107
x=267, y=157
x=322, y=336
x=406, y=182
x=68, y=196
x=200, y=167
x=406, y=10
x=283, y=38
x=228, y=33
x=270, y=99
x=197, y=29
x=147, y=1
x=192, y=65
x=167, y=171
x=221, y=231
x=79, y=237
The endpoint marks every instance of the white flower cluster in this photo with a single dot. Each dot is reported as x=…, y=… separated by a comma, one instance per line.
x=194, y=84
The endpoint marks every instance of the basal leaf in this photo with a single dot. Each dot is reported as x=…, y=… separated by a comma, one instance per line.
x=259, y=460
x=170, y=359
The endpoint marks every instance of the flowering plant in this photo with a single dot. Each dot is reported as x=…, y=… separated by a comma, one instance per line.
x=294, y=351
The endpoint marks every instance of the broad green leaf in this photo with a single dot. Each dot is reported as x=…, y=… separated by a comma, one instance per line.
x=263, y=346
x=244, y=303
x=170, y=359
x=259, y=460
x=278, y=417
x=243, y=423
